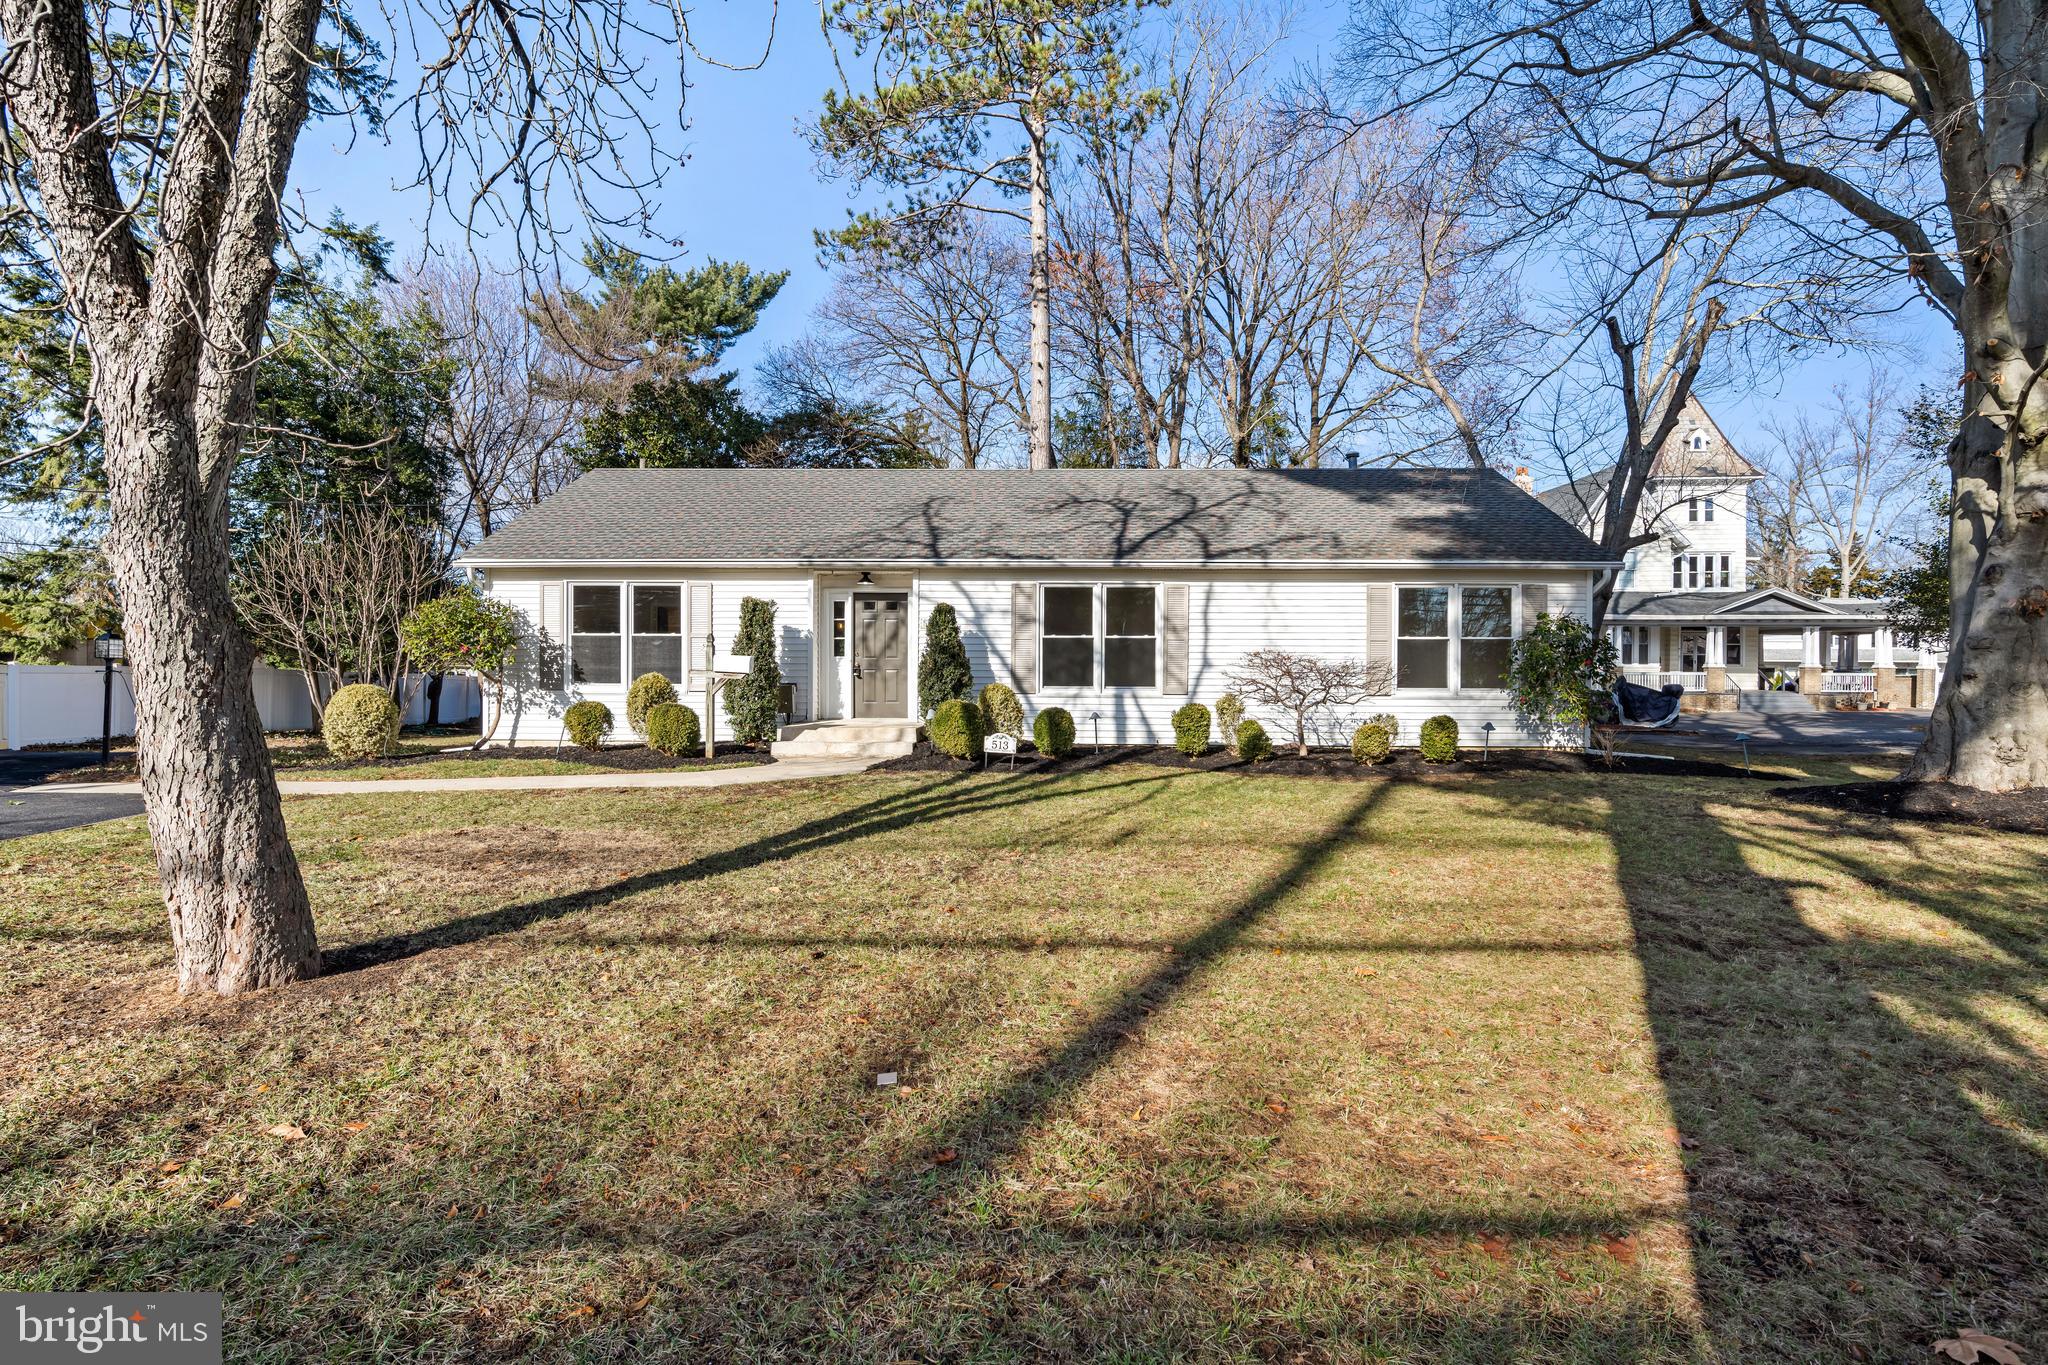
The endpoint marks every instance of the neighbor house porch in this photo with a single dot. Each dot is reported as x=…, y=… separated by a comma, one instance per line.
x=1722, y=646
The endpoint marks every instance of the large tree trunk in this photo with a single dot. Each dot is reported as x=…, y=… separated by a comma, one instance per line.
x=174, y=339
x=1989, y=729
x=1041, y=297
x=238, y=909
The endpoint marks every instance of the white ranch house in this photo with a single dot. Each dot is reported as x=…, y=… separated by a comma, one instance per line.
x=1117, y=594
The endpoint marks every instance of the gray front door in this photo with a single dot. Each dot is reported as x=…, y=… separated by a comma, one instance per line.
x=881, y=657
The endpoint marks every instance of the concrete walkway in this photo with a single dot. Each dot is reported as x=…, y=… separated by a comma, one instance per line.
x=795, y=771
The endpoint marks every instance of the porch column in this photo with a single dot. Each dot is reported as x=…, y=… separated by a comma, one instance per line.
x=1809, y=662
x=1884, y=665
x=1717, y=659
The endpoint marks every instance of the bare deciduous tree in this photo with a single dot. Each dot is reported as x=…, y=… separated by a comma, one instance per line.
x=1303, y=685
x=1851, y=476
x=509, y=421
x=1886, y=144
x=326, y=595
x=942, y=333
x=148, y=150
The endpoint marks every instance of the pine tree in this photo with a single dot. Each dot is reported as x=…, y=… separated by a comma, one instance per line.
x=751, y=702
x=943, y=673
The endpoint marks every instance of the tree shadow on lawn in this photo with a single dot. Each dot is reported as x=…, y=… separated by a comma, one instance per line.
x=919, y=803
x=1866, y=1169
x=900, y=1258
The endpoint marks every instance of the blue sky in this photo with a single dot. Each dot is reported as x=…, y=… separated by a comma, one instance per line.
x=751, y=191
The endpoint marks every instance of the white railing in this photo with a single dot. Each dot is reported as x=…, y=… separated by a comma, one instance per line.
x=1657, y=677
x=1848, y=682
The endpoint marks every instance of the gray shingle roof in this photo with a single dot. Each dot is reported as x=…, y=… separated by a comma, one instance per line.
x=1075, y=516
x=1703, y=604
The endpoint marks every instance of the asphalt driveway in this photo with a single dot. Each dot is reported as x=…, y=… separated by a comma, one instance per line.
x=1817, y=732
x=29, y=806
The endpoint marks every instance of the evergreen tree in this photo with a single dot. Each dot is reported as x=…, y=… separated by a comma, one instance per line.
x=670, y=423
x=943, y=673
x=751, y=702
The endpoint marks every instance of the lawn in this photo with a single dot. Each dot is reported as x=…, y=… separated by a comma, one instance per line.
x=421, y=752
x=1193, y=1066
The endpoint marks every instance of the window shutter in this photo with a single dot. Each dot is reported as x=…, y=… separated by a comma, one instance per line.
x=699, y=625
x=1024, y=637
x=1173, y=641
x=1535, y=601
x=1379, y=628
x=553, y=645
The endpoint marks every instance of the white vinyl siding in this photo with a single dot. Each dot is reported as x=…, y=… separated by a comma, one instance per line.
x=543, y=596
x=1229, y=616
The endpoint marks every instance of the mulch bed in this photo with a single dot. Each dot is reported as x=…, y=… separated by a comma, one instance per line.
x=1936, y=802
x=1328, y=764
x=634, y=758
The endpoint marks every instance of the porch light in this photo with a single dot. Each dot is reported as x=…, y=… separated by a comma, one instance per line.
x=866, y=579
x=109, y=647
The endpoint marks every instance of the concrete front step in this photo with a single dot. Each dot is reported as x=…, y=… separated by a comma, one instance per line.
x=840, y=748
x=846, y=739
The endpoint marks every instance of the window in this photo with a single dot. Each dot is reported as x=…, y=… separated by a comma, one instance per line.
x=1486, y=627
x=1725, y=581
x=1628, y=646
x=1692, y=651
x=839, y=628
x=1130, y=653
x=658, y=630
x=1423, y=627
x=1692, y=509
x=594, y=643
x=1698, y=441
x=1734, y=647
x=1692, y=571
x=1708, y=510
x=1678, y=571
x=1067, y=643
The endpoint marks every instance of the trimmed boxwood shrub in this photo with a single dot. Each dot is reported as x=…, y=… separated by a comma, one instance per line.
x=673, y=729
x=648, y=691
x=958, y=728
x=1440, y=739
x=1053, y=732
x=588, y=722
x=1389, y=722
x=1191, y=729
x=361, y=721
x=1001, y=709
x=1229, y=715
x=1371, y=743
x=1252, y=744
x=943, y=673
x=750, y=702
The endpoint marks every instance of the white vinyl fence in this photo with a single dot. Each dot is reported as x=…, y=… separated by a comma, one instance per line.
x=60, y=703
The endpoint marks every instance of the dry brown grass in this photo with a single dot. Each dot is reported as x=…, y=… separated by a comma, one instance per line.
x=1196, y=1066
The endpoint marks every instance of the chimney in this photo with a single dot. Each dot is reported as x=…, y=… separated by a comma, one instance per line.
x=1351, y=459
x=1522, y=479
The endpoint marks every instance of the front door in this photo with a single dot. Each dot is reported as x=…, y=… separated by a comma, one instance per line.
x=881, y=657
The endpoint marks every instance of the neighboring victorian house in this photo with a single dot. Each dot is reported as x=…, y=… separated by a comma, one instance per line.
x=1684, y=608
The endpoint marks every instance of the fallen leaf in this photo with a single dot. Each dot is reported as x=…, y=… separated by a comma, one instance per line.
x=945, y=1156
x=354, y=1126
x=171, y=1167
x=1494, y=1247
x=581, y=1310
x=233, y=1201
x=290, y=1132
x=1622, y=1249
x=1277, y=1106
x=640, y=1302
x=1970, y=1346
x=1367, y=971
